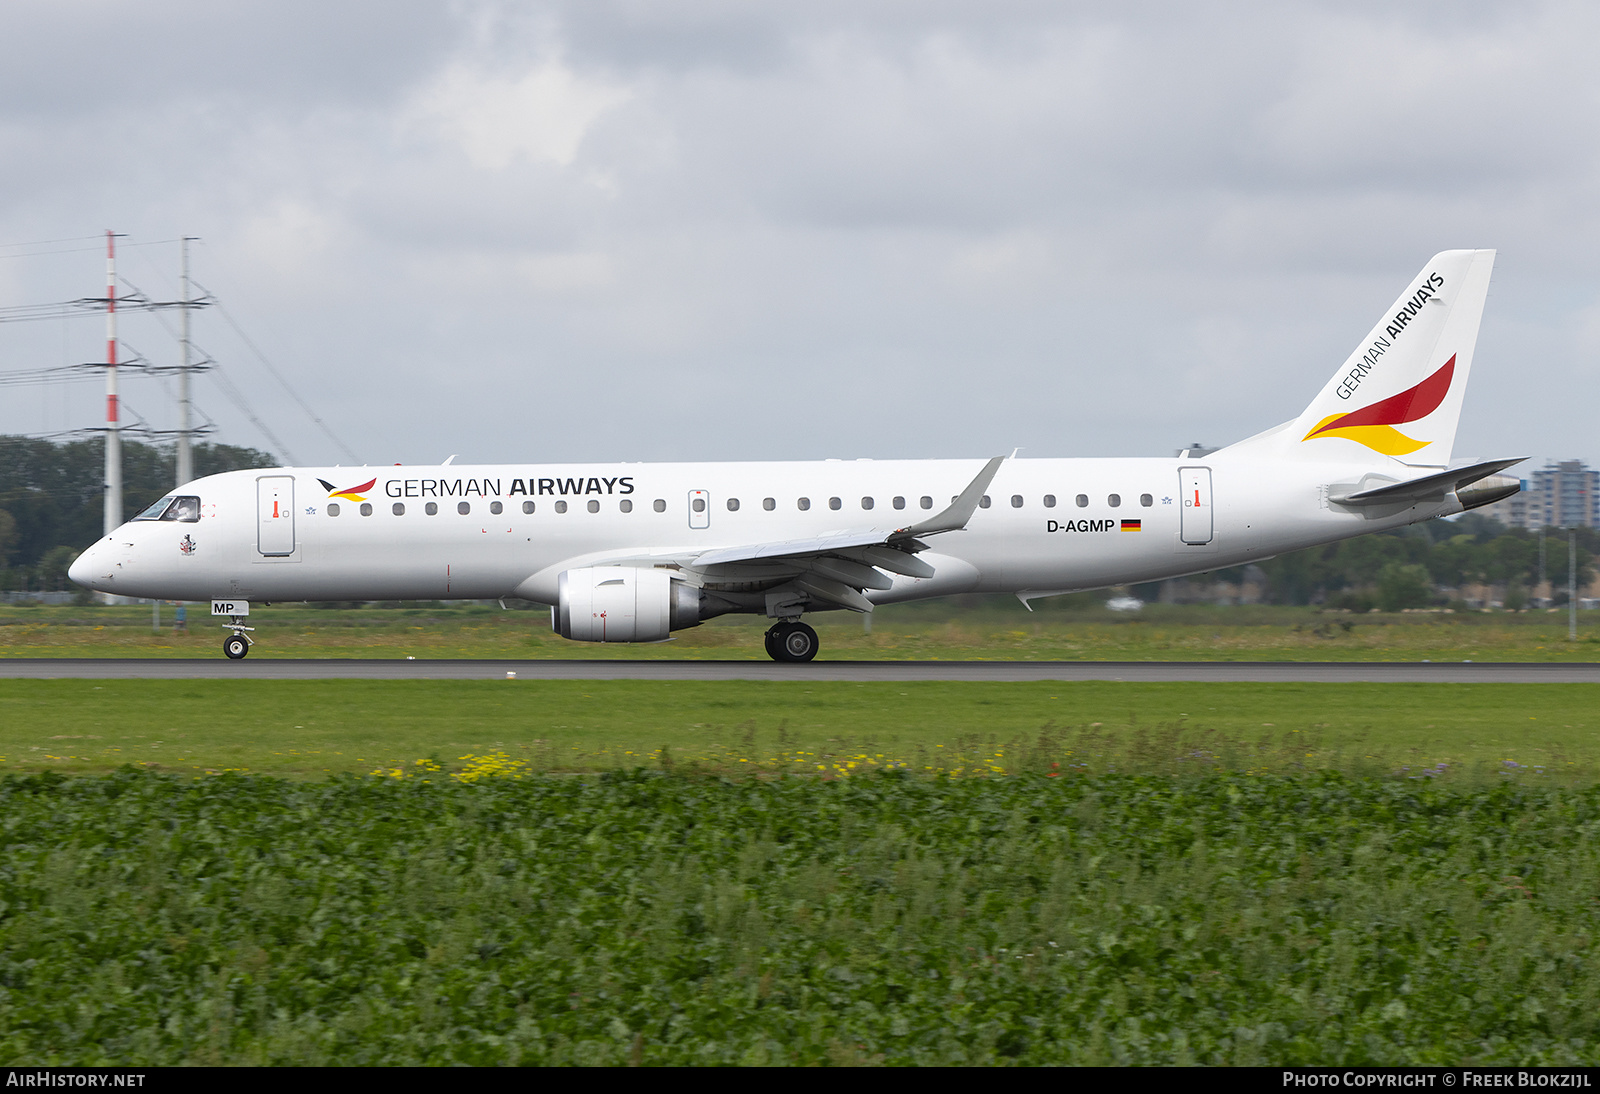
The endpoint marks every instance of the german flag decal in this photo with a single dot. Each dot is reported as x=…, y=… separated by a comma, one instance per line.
x=1132, y=525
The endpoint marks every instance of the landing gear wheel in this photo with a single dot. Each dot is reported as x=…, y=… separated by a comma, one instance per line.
x=235, y=646
x=793, y=642
x=771, y=640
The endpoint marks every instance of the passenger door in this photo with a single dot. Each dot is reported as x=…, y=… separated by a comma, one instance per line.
x=1194, y=490
x=275, y=515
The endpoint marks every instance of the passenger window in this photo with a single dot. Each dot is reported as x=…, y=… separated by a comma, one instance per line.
x=834, y=503
x=983, y=502
x=1049, y=501
x=926, y=502
x=496, y=508
x=698, y=505
x=333, y=508
x=463, y=507
x=866, y=503
x=769, y=504
x=803, y=504
x=432, y=509
x=1016, y=501
x=1113, y=500
x=594, y=506
x=366, y=508
x=398, y=508
x=1082, y=500
x=659, y=505
x=733, y=505
x=1146, y=500
x=625, y=505
x=561, y=507
x=899, y=503
x=527, y=507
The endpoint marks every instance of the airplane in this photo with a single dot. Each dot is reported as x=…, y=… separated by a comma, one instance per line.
x=631, y=552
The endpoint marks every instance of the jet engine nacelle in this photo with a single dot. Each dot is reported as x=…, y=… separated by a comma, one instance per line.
x=622, y=604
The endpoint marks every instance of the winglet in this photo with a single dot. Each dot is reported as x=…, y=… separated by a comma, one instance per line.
x=960, y=511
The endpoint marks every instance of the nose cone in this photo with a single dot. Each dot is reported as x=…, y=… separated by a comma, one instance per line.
x=83, y=569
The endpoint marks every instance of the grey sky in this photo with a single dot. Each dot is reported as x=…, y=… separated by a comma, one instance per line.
x=735, y=231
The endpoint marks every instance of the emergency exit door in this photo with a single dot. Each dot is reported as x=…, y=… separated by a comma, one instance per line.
x=275, y=515
x=699, y=509
x=1194, y=490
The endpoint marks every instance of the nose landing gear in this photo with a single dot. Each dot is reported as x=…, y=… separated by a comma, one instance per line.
x=237, y=644
x=791, y=641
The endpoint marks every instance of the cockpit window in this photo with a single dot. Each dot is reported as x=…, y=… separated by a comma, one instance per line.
x=184, y=507
x=155, y=511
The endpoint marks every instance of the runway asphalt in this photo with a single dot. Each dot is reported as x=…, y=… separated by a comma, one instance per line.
x=859, y=671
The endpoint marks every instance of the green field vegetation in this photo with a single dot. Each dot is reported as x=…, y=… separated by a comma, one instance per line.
x=319, y=727
x=151, y=919
x=1075, y=629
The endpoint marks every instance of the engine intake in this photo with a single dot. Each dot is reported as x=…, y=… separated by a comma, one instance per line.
x=622, y=604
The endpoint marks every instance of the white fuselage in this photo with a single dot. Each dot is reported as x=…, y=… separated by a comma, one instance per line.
x=1249, y=508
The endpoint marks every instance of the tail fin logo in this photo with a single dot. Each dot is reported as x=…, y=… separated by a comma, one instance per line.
x=349, y=493
x=1374, y=426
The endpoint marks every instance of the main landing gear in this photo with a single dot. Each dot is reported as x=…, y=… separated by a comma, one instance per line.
x=791, y=641
x=237, y=644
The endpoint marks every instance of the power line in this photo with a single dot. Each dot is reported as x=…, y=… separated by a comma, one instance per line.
x=138, y=300
x=62, y=251
x=74, y=250
x=233, y=394
x=89, y=370
x=245, y=338
x=238, y=400
x=60, y=374
x=92, y=305
x=46, y=242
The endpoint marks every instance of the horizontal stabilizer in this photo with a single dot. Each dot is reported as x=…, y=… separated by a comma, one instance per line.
x=1428, y=486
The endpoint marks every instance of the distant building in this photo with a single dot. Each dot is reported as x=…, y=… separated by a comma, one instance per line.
x=1564, y=494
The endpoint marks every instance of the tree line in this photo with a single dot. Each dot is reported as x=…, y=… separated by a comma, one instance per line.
x=52, y=497
x=1427, y=565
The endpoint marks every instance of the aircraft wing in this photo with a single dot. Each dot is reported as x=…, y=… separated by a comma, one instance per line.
x=840, y=566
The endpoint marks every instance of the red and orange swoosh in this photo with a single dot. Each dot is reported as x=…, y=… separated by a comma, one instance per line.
x=349, y=493
x=1374, y=426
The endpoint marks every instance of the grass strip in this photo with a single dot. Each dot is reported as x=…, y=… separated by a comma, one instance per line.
x=902, y=632
x=320, y=727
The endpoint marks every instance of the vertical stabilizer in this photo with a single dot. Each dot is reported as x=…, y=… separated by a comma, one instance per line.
x=1398, y=396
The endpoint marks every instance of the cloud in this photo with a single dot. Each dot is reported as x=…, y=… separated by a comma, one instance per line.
x=539, y=114
x=737, y=231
